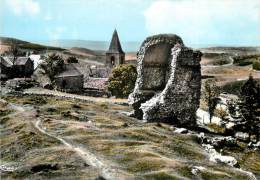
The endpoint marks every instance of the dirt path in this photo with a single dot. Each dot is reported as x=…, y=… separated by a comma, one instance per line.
x=47, y=92
x=108, y=172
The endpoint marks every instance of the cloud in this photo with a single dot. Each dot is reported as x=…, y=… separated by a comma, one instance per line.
x=203, y=21
x=23, y=7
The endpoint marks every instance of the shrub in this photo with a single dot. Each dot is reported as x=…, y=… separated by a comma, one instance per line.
x=232, y=87
x=256, y=65
x=72, y=59
x=244, y=60
x=54, y=65
x=122, y=80
x=221, y=62
x=210, y=95
x=216, y=128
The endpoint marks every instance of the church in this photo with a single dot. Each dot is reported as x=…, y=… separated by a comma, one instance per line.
x=115, y=55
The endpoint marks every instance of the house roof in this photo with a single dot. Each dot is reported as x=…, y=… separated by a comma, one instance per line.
x=100, y=72
x=21, y=60
x=5, y=61
x=115, y=46
x=36, y=58
x=70, y=70
x=96, y=83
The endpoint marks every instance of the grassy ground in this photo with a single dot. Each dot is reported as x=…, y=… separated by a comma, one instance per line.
x=145, y=151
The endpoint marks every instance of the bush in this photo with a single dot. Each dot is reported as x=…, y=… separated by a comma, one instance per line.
x=244, y=63
x=244, y=60
x=54, y=65
x=256, y=65
x=122, y=80
x=72, y=59
x=221, y=62
x=232, y=87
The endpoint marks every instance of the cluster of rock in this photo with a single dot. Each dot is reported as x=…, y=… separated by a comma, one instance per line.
x=168, y=82
x=218, y=158
x=16, y=85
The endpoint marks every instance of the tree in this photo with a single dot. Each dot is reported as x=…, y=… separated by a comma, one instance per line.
x=249, y=106
x=54, y=65
x=222, y=113
x=72, y=59
x=14, y=51
x=122, y=80
x=211, y=93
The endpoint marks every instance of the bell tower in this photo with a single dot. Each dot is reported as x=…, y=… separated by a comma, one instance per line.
x=115, y=55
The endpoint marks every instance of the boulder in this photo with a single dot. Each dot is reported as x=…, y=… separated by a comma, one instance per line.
x=255, y=146
x=214, y=156
x=229, y=160
x=242, y=136
x=219, y=142
x=3, y=103
x=181, y=130
x=197, y=169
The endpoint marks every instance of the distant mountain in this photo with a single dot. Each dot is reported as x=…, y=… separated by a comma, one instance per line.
x=94, y=45
x=85, y=52
x=232, y=49
x=7, y=41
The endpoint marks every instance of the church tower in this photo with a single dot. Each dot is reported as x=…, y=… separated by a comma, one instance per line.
x=115, y=55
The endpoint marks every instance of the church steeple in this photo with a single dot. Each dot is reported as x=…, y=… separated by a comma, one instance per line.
x=115, y=55
x=115, y=46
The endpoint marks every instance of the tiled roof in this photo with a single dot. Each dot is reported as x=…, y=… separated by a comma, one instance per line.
x=5, y=61
x=96, y=83
x=100, y=72
x=70, y=70
x=21, y=60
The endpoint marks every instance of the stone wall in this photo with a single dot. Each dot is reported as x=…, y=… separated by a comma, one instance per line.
x=114, y=59
x=69, y=83
x=168, y=82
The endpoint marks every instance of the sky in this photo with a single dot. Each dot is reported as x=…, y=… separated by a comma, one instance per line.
x=221, y=22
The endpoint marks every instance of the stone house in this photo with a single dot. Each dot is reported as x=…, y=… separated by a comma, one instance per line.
x=70, y=80
x=5, y=68
x=115, y=55
x=23, y=67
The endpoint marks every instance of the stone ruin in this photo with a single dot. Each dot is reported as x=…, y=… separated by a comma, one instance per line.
x=168, y=82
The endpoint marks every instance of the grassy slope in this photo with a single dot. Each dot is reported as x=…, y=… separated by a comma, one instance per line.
x=22, y=145
x=27, y=45
x=147, y=151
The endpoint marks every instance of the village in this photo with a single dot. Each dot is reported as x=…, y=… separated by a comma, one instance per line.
x=129, y=90
x=19, y=65
x=167, y=87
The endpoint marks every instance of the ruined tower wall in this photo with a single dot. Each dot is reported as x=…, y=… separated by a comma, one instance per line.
x=168, y=82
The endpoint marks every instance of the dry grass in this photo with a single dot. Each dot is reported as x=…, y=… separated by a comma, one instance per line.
x=147, y=151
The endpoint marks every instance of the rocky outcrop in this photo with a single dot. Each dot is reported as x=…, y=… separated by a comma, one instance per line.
x=218, y=158
x=168, y=82
x=242, y=136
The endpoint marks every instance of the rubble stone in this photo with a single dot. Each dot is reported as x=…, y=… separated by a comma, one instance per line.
x=242, y=136
x=181, y=130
